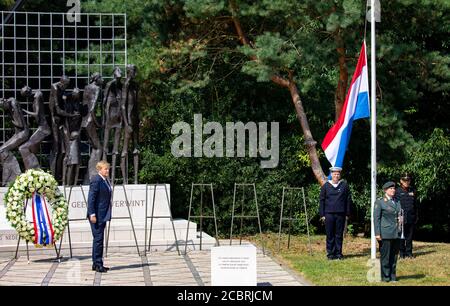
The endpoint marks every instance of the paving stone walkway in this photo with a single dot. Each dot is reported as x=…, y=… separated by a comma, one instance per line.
x=154, y=269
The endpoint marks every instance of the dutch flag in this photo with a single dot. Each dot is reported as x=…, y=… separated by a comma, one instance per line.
x=356, y=106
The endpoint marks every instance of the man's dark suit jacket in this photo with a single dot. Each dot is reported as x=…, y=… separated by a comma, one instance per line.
x=99, y=199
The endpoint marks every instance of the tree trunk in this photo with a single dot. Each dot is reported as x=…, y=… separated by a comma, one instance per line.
x=310, y=143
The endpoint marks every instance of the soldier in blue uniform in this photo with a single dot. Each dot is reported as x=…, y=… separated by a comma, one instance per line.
x=406, y=195
x=387, y=223
x=335, y=205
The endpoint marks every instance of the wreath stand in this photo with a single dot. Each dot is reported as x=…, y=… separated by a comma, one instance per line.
x=290, y=207
x=242, y=216
x=28, y=251
x=157, y=217
x=201, y=216
x=71, y=220
x=129, y=217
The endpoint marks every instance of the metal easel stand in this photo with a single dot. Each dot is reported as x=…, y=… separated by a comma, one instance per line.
x=129, y=217
x=201, y=216
x=290, y=219
x=242, y=216
x=71, y=220
x=155, y=186
x=28, y=251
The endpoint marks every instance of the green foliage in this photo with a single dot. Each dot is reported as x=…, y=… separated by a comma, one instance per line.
x=430, y=163
x=6, y=4
x=347, y=14
x=203, y=8
x=273, y=53
x=351, y=230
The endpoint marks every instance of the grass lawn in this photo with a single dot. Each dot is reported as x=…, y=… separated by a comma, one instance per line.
x=431, y=265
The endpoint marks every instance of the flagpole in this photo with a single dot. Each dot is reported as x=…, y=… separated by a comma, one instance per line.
x=373, y=129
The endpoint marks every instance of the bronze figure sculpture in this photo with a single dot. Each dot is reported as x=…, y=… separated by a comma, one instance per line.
x=112, y=101
x=29, y=158
x=130, y=114
x=90, y=124
x=57, y=114
x=11, y=168
x=72, y=158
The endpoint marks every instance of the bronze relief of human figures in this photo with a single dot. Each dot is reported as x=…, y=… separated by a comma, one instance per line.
x=72, y=158
x=130, y=114
x=57, y=114
x=11, y=168
x=90, y=124
x=29, y=158
x=112, y=119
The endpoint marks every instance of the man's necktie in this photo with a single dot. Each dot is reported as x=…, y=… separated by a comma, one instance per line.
x=109, y=185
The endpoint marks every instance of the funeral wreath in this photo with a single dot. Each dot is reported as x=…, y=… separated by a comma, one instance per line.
x=37, y=191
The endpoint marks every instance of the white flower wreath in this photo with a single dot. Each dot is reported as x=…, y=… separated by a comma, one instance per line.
x=35, y=180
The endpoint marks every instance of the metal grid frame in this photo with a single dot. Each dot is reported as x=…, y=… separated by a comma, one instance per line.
x=38, y=47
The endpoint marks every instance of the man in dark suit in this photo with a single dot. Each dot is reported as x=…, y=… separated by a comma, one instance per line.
x=99, y=212
x=335, y=206
x=406, y=195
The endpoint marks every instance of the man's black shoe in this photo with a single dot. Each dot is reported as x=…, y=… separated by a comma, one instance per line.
x=95, y=267
x=101, y=269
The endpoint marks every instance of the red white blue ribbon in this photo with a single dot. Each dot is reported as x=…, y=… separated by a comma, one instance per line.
x=43, y=228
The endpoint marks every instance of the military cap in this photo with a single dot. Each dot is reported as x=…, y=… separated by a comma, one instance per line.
x=333, y=169
x=388, y=185
x=406, y=176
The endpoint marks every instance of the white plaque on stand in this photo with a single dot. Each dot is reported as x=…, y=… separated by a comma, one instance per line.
x=233, y=265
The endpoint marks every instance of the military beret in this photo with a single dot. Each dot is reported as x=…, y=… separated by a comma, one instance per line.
x=388, y=185
x=333, y=169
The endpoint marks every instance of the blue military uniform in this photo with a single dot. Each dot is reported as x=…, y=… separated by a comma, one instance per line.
x=335, y=205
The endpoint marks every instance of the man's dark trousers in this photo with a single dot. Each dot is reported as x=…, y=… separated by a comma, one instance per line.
x=334, y=227
x=388, y=255
x=406, y=244
x=98, y=231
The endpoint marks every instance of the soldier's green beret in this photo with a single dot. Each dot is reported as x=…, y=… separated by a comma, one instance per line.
x=388, y=185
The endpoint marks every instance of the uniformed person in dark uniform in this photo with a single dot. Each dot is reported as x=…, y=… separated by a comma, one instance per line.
x=335, y=205
x=406, y=195
x=387, y=223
